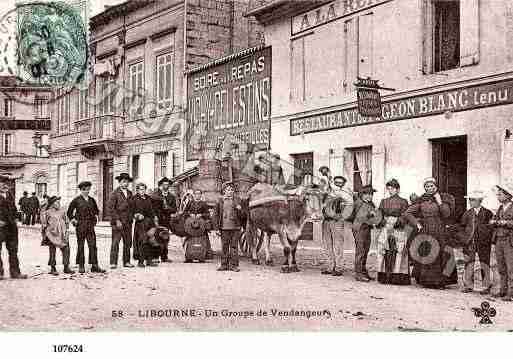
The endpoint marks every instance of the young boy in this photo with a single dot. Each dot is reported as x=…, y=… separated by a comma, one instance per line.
x=54, y=228
x=229, y=213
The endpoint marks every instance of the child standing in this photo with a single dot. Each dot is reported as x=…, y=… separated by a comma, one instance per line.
x=54, y=228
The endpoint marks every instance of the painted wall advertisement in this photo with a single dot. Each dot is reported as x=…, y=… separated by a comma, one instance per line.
x=230, y=98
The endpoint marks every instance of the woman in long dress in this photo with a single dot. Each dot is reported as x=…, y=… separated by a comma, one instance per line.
x=433, y=259
x=392, y=254
x=145, y=219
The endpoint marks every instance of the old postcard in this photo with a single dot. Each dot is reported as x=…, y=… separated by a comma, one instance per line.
x=256, y=165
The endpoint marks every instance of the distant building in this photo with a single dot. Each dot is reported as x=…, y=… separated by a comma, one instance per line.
x=131, y=116
x=24, y=131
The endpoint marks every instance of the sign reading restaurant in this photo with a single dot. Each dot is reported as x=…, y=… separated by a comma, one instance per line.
x=232, y=96
x=330, y=12
x=462, y=99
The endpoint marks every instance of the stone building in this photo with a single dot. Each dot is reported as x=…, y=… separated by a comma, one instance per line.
x=24, y=130
x=450, y=116
x=129, y=115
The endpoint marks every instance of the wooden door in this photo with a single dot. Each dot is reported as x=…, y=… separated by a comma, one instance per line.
x=303, y=164
x=108, y=186
x=450, y=169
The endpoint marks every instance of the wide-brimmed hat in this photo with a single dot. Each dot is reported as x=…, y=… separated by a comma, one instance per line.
x=506, y=188
x=52, y=200
x=124, y=176
x=162, y=180
x=84, y=184
x=367, y=189
x=476, y=195
x=393, y=183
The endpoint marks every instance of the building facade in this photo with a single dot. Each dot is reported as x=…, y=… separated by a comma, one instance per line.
x=129, y=116
x=24, y=136
x=449, y=62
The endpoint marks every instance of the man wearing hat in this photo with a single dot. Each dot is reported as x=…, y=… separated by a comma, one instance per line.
x=503, y=236
x=121, y=213
x=478, y=236
x=83, y=213
x=164, y=203
x=24, y=208
x=364, y=211
x=9, y=231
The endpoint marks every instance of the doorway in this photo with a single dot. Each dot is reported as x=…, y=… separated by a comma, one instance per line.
x=450, y=169
x=108, y=186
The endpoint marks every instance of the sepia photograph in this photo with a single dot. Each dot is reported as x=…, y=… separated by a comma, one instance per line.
x=263, y=166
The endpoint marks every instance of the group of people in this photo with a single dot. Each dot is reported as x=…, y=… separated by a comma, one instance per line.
x=30, y=208
x=417, y=238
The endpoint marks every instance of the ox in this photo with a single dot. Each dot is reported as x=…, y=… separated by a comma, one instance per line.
x=284, y=213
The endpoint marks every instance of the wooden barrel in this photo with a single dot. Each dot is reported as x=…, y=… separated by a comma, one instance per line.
x=209, y=179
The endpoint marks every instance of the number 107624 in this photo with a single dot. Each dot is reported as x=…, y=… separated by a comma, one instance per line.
x=67, y=348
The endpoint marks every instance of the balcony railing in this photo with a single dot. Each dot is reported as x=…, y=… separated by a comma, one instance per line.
x=99, y=129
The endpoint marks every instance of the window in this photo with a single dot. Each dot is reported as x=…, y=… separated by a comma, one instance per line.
x=41, y=144
x=136, y=84
x=7, y=146
x=135, y=166
x=451, y=35
x=40, y=108
x=41, y=189
x=63, y=114
x=362, y=167
x=107, y=98
x=160, y=166
x=303, y=166
x=8, y=107
x=83, y=106
x=165, y=81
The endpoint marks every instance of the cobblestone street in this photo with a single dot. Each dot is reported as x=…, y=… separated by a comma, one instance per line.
x=204, y=297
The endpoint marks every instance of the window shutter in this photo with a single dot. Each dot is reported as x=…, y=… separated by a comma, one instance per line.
x=348, y=168
x=427, y=37
x=469, y=32
x=350, y=55
x=365, y=39
x=378, y=170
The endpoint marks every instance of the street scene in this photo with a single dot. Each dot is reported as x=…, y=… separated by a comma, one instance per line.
x=256, y=165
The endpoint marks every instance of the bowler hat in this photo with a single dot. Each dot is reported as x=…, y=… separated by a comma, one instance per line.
x=339, y=178
x=323, y=168
x=164, y=179
x=393, y=183
x=52, y=200
x=367, y=189
x=124, y=176
x=84, y=184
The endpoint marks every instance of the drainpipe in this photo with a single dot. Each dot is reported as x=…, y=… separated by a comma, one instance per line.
x=184, y=88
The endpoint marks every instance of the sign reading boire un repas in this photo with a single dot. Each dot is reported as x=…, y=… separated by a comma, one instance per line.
x=232, y=97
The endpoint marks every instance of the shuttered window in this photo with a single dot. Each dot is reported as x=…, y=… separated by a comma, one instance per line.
x=165, y=81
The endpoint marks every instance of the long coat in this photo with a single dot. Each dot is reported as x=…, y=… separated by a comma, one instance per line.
x=483, y=230
x=142, y=205
x=164, y=206
x=120, y=207
x=433, y=218
x=8, y=211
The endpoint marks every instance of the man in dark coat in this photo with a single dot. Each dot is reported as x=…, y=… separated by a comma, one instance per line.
x=83, y=213
x=199, y=207
x=165, y=204
x=9, y=231
x=121, y=213
x=478, y=235
x=33, y=203
x=24, y=207
x=229, y=210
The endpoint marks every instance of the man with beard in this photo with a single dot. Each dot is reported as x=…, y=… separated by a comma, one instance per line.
x=164, y=203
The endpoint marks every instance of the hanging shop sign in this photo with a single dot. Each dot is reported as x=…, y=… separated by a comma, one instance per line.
x=369, y=98
x=456, y=100
x=232, y=96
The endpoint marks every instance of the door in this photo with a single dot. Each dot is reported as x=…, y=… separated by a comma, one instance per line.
x=303, y=164
x=450, y=169
x=108, y=185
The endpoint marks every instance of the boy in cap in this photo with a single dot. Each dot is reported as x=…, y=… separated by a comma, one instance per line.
x=503, y=236
x=9, y=231
x=476, y=223
x=54, y=230
x=121, y=212
x=229, y=212
x=83, y=213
